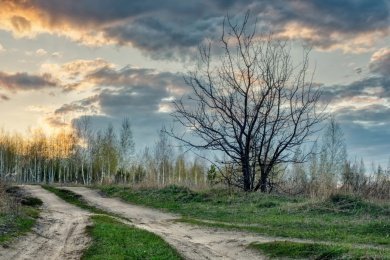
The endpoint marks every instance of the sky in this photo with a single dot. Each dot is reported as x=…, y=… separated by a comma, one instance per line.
x=60, y=60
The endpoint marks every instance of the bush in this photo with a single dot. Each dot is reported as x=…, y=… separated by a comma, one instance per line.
x=31, y=201
x=183, y=194
x=346, y=202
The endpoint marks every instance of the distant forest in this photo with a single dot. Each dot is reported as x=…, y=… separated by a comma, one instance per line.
x=85, y=156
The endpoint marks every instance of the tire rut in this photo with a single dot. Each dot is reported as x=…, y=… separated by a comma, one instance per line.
x=58, y=234
x=192, y=242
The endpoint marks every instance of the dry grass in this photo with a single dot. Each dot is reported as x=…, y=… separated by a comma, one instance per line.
x=9, y=205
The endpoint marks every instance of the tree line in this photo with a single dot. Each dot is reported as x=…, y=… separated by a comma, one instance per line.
x=323, y=169
x=85, y=156
x=328, y=169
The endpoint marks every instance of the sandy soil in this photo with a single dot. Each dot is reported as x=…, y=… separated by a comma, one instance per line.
x=191, y=241
x=59, y=233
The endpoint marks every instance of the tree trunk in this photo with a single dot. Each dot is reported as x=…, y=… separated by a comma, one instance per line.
x=263, y=182
x=246, y=175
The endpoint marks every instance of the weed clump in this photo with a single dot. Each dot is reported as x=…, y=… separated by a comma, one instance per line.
x=300, y=250
x=267, y=204
x=70, y=194
x=31, y=201
x=183, y=194
x=345, y=204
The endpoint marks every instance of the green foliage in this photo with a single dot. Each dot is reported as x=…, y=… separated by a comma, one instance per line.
x=114, y=240
x=212, y=174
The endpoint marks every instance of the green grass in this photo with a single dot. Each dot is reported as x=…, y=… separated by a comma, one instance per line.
x=316, y=251
x=73, y=198
x=114, y=240
x=340, y=219
x=14, y=225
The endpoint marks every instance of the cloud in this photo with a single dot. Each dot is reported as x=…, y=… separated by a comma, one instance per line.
x=4, y=97
x=20, y=24
x=367, y=130
x=22, y=81
x=175, y=28
x=56, y=55
x=98, y=74
x=144, y=95
x=127, y=89
x=2, y=49
x=40, y=52
x=350, y=25
x=358, y=70
x=363, y=109
x=72, y=74
x=380, y=62
x=79, y=106
x=370, y=116
x=373, y=88
x=55, y=121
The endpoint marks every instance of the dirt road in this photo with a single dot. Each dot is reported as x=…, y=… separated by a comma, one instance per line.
x=191, y=241
x=59, y=233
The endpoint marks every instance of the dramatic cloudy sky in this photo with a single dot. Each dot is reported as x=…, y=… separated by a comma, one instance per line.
x=60, y=60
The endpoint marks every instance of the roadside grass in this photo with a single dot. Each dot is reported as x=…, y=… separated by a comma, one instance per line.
x=316, y=251
x=73, y=198
x=22, y=219
x=338, y=219
x=112, y=239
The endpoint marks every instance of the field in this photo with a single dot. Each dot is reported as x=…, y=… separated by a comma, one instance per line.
x=349, y=225
x=341, y=226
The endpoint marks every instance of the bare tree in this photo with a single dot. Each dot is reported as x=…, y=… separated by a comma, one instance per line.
x=251, y=102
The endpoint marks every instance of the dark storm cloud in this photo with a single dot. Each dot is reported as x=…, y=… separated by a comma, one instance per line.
x=24, y=81
x=174, y=27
